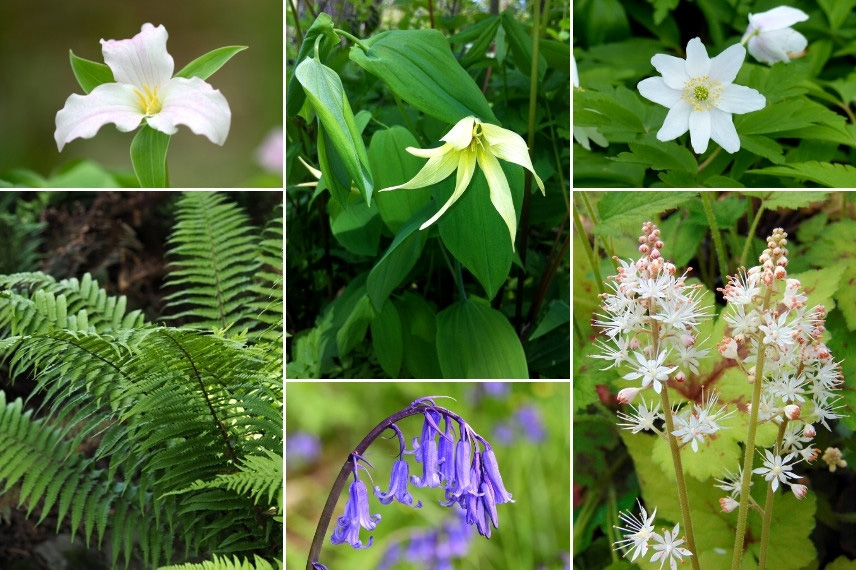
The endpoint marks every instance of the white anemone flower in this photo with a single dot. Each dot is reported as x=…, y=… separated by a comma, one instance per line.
x=468, y=143
x=770, y=37
x=144, y=91
x=700, y=95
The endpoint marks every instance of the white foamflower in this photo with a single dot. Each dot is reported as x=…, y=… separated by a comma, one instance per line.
x=770, y=37
x=700, y=95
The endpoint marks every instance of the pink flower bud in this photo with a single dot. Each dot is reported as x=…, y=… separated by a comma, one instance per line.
x=688, y=340
x=728, y=504
x=809, y=431
x=799, y=490
x=680, y=377
x=792, y=412
x=626, y=395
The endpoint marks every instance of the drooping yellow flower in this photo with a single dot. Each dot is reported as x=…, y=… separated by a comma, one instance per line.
x=472, y=142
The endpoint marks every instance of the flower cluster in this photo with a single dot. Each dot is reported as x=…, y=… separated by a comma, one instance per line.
x=771, y=327
x=467, y=470
x=433, y=548
x=651, y=318
x=639, y=532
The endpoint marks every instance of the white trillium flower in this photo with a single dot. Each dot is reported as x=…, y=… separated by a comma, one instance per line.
x=144, y=91
x=700, y=95
x=469, y=143
x=771, y=38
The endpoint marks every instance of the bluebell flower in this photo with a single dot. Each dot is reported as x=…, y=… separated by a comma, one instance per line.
x=398, y=486
x=503, y=434
x=491, y=470
x=446, y=454
x=497, y=390
x=301, y=447
x=356, y=515
x=430, y=428
x=430, y=474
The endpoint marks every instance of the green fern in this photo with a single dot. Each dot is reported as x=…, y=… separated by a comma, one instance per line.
x=188, y=422
x=223, y=563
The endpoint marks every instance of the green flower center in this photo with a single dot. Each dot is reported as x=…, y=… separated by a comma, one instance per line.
x=702, y=93
x=149, y=103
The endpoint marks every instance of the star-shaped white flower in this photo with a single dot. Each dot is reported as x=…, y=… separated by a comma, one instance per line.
x=700, y=95
x=468, y=143
x=144, y=91
x=771, y=38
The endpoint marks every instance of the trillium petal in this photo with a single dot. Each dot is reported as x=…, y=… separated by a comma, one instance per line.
x=461, y=134
x=141, y=61
x=83, y=115
x=195, y=104
x=722, y=131
x=673, y=69
x=500, y=193
x=699, y=123
x=778, y=18
x=698, y=64
x=466, y=165
x=510, y=146
x=677, y=122
x=739, y=99
x=436, y=169
x=655, y=89
x=725, y=66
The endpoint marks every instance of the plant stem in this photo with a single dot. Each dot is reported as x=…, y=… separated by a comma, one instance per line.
x=714, y=230
x=749, y=456
x=709, y=159
x=588, y=250
x=683, y=499
x=353, y=38
x=768, y=506
x=294, y=15
x=752, y=230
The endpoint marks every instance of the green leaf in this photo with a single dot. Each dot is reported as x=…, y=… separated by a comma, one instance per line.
x=480, y=43
x=828, y=174
x=662, y=8
x=837, y=245
x=419, y=67
x=558, y=314
x=520, y=42
x=774, y=200
x=398, y=260
x=323, y=27
x=324, y=90
x=206, y=65
x=837, y=11
x=627, y=211
x=148, y=156
x=387, y=339
x=357, y=227
x=393, y=165
x=763, y=146
x=335, y=175
x=475, y=341
x=593, y=108
x=660, y=156
x=353, y=330
x=89, y=74
x=420, y=336
x=475, y=233
x=85, y=174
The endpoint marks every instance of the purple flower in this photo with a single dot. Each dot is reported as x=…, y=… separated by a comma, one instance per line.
x=446, y=454
x=356, y=515
x=530, y=420
x=503, y=434
x=398, y=486
x=491, y=470
x=430, y=474
x=301, y=447
x=497, y=390
x=430, y=427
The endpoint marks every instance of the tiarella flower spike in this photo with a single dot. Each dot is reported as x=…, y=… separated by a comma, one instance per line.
x=144, y=91
x=701, y=96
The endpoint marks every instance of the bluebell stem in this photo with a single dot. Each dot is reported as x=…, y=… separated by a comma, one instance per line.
x=468, y=472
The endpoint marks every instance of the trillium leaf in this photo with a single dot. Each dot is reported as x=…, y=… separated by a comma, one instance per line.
x=399, y=259
x=206, y=65
x=89, y=74
x=148, y=156
x=387, y=339
x=322, y=27
x=476, y=341
x=325, y=92
x=393, y=165
x=475, y=233
x=419, y=67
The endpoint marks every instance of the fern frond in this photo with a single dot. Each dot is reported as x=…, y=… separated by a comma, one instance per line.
x=224, y=563
x=267, y=282
x=214, y=257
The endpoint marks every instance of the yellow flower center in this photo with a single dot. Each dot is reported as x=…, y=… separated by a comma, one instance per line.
x=702, y=93
x=149, y=103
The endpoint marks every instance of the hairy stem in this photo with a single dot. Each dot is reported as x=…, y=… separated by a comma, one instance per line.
x=768, y=506
x=714, y=231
